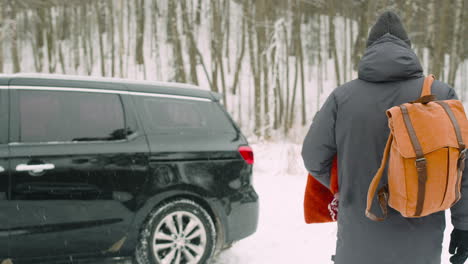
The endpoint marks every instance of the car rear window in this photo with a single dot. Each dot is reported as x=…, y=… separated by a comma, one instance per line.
x=51, y=116
x=168, y=115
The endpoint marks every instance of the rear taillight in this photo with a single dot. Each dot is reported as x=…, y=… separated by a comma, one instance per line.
x=247, y=154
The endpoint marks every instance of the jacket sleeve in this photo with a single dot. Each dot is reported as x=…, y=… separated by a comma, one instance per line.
x=460, y=210
x=319, y=146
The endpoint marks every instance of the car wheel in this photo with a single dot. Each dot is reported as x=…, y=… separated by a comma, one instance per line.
x=177, y=232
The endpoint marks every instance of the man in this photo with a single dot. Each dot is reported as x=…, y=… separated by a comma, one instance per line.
x=352, y=125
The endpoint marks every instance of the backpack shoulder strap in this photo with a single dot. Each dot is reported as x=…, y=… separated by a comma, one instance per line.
x=426, y=90
x=383, y=192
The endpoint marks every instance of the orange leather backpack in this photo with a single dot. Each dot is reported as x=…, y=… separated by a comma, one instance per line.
x=426, y=153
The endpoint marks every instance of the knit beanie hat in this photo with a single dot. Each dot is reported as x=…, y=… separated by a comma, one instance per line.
x=388, y=22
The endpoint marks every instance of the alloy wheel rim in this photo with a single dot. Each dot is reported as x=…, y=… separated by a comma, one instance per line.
x=179, y=238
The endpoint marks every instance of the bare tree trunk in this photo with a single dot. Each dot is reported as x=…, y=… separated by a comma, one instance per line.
x=332, y=37
x=38, y=44
x=463, y=81
x=262, y=12
x=174, y=39
x=303, y=94
x=215, y=29
x=198, y=12
x=86, y=35
x=293, y=100
x=430, y=36
x=140, y=30
x=239, y=108
x=83, y=38
x=112, y=35
x=192, y=53
x=100, y=13
x=219, y=57
x=242, y=50
x=2, y=23
x=62, y=58
x=456, y=42
x=288, y=92
x=345, y=51
x=223, y=78
x=440, y=41
x=193, y=43
x=351, y=48
x=296, y=32
x=326, y=41
x=363, y=26
x=76, y=40
x=14, y=36
x=227, y=30
x=155, y=31
x=121, y=38
x=255, y=72
x=279, y=100
x=320, y=64
x=299, y=55
x=129, y=35
x=21, y=25
x=214, y=75
x=62, y=31
x=275, y=84
x=266, y=97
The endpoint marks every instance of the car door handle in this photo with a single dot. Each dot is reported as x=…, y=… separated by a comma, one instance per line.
x=35, y=168
x=1, y=169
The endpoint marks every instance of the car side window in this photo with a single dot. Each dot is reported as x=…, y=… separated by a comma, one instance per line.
x=175, y=115
x=3, y=116
x=64, y=116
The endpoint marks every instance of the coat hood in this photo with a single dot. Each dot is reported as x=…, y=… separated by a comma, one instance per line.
x=387, y=59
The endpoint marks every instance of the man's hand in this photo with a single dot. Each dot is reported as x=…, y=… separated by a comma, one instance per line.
x=458, y=246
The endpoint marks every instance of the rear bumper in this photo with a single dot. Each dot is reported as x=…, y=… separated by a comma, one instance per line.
x=241, y=215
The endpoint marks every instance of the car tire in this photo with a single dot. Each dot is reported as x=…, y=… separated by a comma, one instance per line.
x=178, y=232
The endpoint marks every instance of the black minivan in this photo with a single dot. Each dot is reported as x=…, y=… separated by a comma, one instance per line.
x=111, y=168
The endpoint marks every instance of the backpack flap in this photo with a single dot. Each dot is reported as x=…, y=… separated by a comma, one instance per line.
x=433, y=127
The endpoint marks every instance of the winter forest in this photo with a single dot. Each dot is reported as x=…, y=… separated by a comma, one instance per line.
x=273, y=61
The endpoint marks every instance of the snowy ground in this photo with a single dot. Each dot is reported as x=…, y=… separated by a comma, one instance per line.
x=282, y=235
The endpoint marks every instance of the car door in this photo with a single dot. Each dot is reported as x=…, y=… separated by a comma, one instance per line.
x=78, y=160
x=5, y=205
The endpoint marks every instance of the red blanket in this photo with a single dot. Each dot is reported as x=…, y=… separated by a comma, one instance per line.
x=318, y=197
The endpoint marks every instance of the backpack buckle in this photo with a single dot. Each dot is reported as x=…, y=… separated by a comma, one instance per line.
x=463, y=154
x=461, y=160
x=418, y=161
